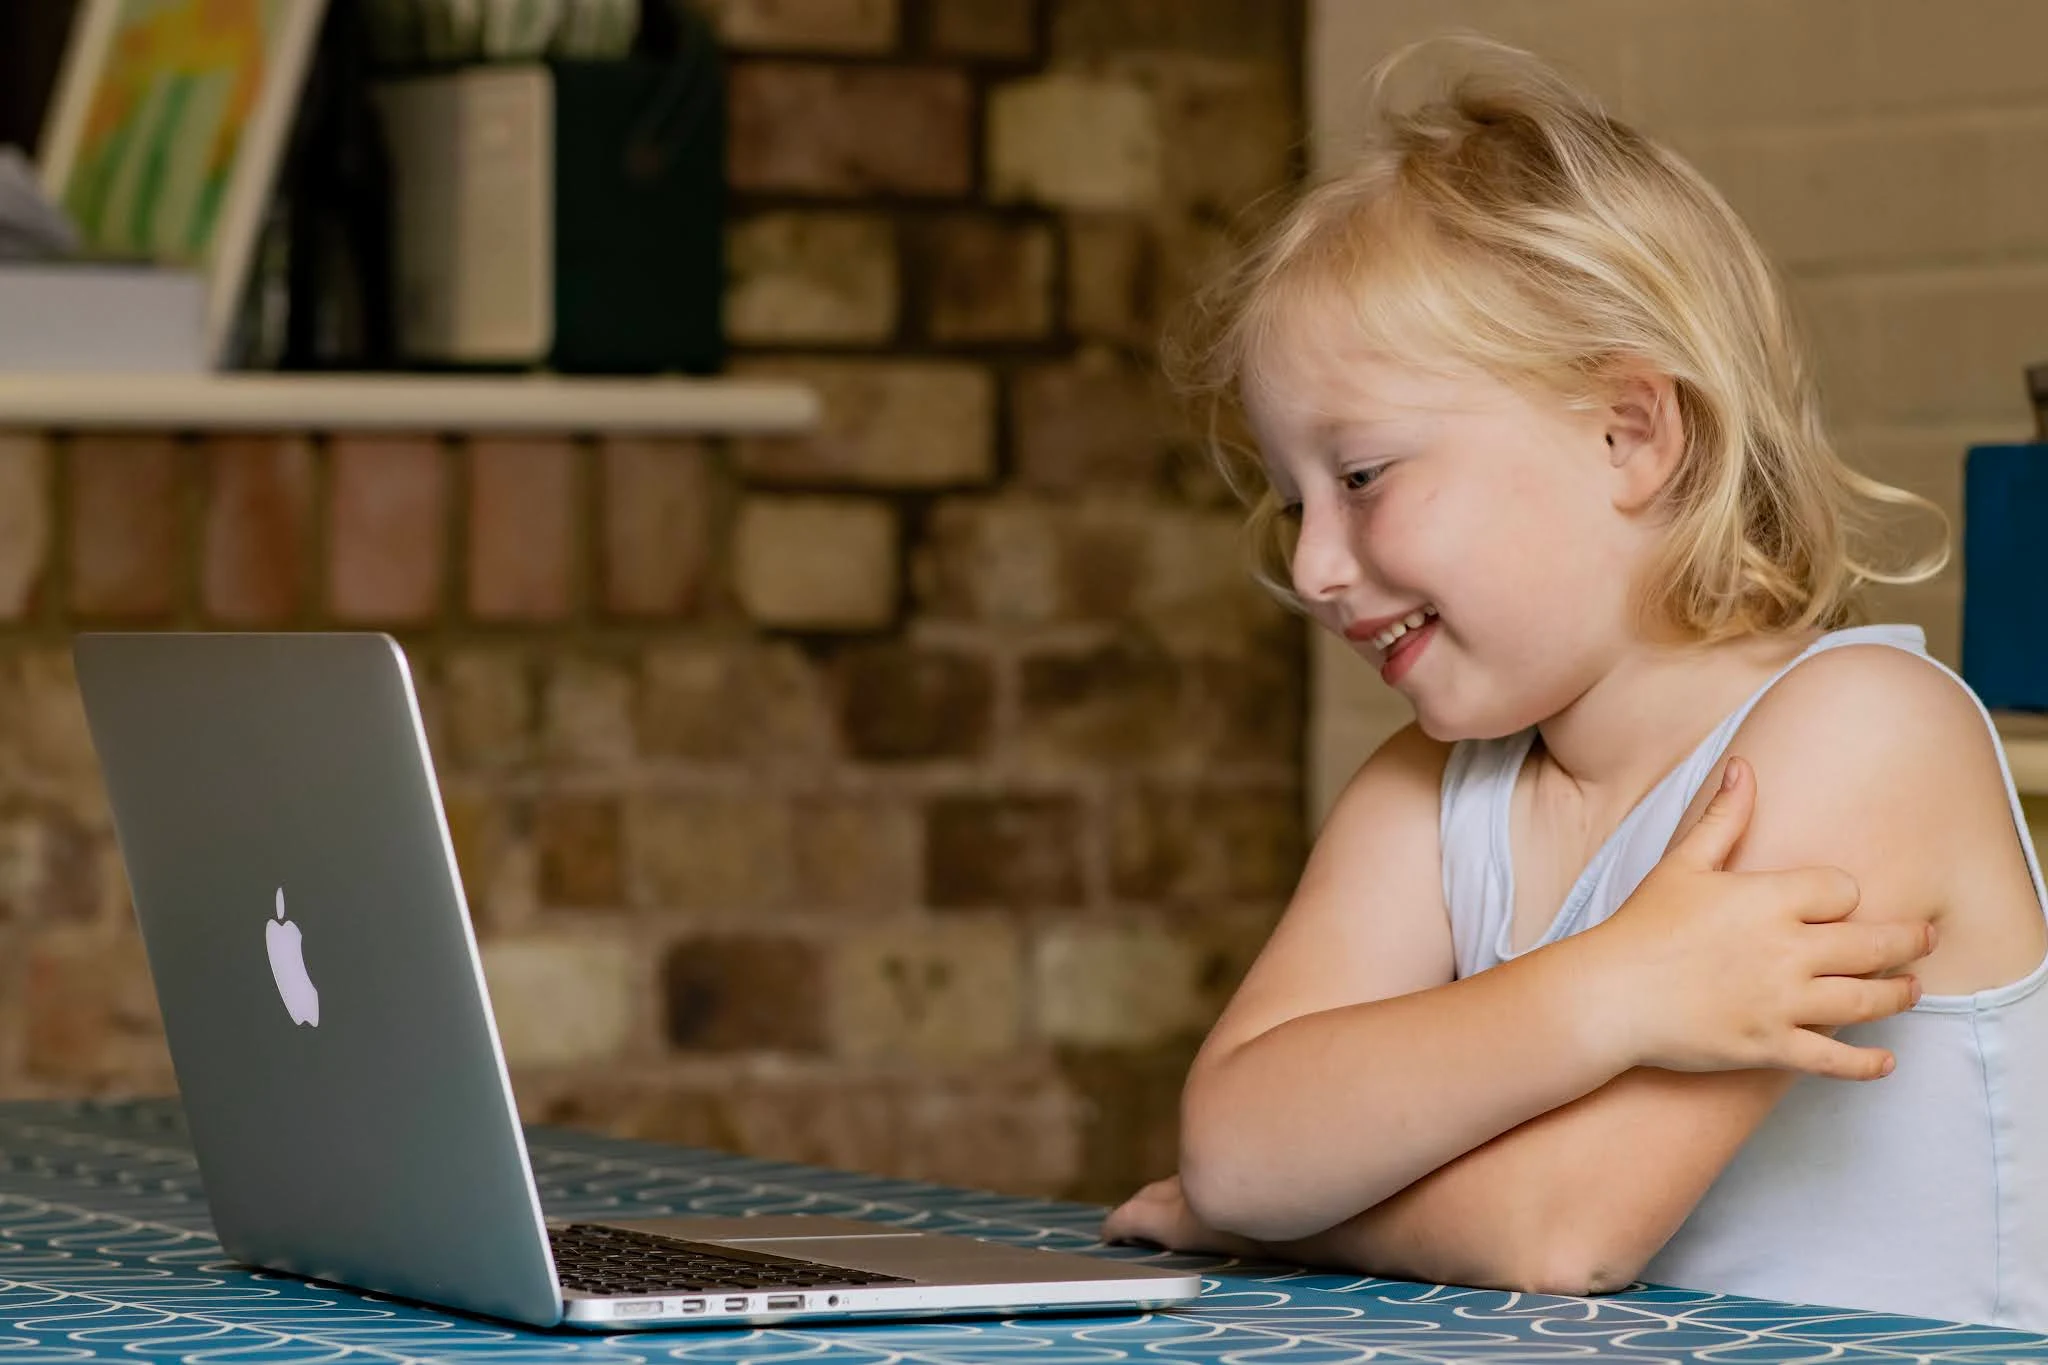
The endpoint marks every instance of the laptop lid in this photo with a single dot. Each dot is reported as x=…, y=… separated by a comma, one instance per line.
x=315, y=964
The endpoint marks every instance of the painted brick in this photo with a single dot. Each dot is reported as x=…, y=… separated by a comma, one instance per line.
x=745, y=993
x=1093, y=421
x=493, y=707
x=1092, y=29
x=1074, y=142
x=561, y=1000
x=942, y=993
x=91, y=1019
x=902, y=703
x=126, y=526
x=24, y=522
x=1922, y=57
x=1018, y=851
x=387, y=530
x=496, y=854
x=817, y=563
x=856, y=852
x=662, y=500
x=864, y=26
x=1122, y=985
x=715, y=852
x=811, y=277
x=1111, y=291
x=259, y=507
x=988, y=280
x=522, y=540
x=847, y=130
x=1005, y=30
x=1206, y=846
x=728, y=701
x=887, y=424
x=1798, y=63
x=1953, y=346
x=587, y=712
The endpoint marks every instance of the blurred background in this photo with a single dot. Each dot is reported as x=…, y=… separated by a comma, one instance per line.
x=908, y=794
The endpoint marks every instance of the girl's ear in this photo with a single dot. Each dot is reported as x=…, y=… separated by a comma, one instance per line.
x=1645, y=438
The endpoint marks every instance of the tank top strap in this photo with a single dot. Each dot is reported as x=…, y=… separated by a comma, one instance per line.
x=1911, y=639
x=1478, y=776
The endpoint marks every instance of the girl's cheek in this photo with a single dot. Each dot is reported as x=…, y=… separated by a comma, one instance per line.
x=1388, y=522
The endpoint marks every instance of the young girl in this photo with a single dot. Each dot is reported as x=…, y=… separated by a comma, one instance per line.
x=1539, y=442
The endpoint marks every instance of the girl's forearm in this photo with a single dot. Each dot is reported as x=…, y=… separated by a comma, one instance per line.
x=1323, y=1117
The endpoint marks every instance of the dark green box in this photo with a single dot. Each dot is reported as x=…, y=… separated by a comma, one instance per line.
x=567, y=215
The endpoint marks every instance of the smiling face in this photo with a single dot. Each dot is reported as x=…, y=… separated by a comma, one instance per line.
x=1476, y=543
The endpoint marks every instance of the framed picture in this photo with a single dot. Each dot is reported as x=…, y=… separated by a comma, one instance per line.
x=166, y=128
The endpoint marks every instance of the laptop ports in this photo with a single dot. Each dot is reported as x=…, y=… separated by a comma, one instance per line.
x=788, y=1303
x=736, y=1305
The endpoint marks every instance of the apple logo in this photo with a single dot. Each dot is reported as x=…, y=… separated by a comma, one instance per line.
x=288, y=966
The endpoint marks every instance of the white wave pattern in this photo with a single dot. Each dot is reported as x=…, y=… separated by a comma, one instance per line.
x=106, y=1254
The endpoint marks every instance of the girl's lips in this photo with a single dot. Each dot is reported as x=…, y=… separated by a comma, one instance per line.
x=1401, y=656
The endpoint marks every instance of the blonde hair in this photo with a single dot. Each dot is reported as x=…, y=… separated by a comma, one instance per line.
x=1509, y=225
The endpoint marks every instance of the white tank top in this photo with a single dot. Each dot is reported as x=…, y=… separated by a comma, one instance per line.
x=1924, y=1193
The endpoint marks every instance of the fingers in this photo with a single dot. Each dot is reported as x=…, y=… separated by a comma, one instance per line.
x=1869, y=949
x=1708, y=843
x=1836, y=1001
x=1146, y=1215
x=1127, y=1223
x=1821, y=894
x=1815, y=1055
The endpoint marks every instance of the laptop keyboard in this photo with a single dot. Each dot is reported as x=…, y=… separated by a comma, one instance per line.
x=603, y=1260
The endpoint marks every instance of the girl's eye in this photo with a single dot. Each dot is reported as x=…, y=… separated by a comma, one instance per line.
x=1291, y=511
x=1358, y=480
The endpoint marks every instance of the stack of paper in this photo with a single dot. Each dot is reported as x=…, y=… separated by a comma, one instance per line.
x=59, y=313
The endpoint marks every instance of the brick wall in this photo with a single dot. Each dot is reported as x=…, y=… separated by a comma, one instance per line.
x=1892, y=156
x=905, y=797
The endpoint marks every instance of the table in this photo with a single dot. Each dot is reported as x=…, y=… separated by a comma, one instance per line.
x=106, y=1253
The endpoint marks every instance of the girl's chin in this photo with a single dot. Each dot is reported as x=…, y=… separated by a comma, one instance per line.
x=1448, y=726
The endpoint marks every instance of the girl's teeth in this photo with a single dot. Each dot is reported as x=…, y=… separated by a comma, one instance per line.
x=1413, y=621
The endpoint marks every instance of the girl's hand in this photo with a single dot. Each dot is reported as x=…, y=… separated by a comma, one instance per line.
x=1707, y=970
x=1159, y=1214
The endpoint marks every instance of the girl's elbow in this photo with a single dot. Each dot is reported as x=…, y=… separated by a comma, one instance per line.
x=1232, y=1181
x=1211, y=1182
x=1213, y=1165
x=1227, y=1195
x=1575, y=1267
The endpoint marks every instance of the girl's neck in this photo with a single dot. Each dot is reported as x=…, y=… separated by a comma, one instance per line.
x=1623, y=734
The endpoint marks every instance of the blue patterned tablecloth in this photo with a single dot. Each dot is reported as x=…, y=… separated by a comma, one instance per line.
x=106, y=1253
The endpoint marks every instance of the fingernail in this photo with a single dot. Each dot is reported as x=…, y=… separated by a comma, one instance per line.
x=1889, y=1063
x=1728, y=777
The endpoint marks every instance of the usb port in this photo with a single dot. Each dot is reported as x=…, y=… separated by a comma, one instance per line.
x=788, y=1303
x=735, y=1305
x=637, y=1308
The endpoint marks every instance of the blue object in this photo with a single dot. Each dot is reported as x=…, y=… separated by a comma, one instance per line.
x=2005, y=575
x=106, y=1255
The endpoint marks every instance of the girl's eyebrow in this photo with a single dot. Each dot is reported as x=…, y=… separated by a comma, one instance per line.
x=1330, y=423
x=1332, y=433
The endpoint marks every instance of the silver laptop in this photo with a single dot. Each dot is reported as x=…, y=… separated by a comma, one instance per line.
x=339, y=1067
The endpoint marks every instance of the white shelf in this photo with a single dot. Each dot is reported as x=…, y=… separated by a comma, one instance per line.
x=383, y=402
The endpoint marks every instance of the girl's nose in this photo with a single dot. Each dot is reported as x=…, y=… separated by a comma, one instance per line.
x=1325, y=567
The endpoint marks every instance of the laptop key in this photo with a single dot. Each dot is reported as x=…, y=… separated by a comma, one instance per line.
x=600, y=1260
